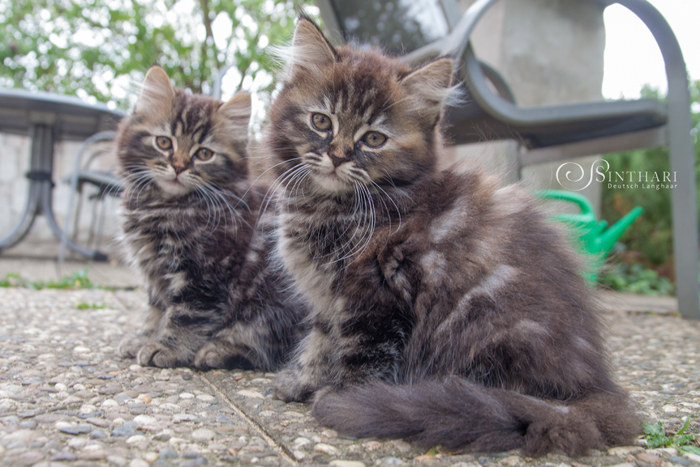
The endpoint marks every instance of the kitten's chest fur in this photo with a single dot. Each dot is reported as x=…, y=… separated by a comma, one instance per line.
x=309, y=245
x=174, y=247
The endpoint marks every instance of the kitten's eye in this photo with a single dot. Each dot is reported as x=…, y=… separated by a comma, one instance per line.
x=204, y=154
x=321, y=122
x=164, y=142
x=373, y=139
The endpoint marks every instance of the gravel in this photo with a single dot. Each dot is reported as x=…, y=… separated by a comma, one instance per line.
x=66, y=398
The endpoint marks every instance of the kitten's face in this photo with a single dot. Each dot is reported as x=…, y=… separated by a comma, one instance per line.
x=347, y=117
x=183, y=142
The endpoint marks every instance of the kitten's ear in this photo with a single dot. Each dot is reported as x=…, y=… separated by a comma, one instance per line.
x=236, y=114
x=157, y=93
x=310, y=49
x=431, y=83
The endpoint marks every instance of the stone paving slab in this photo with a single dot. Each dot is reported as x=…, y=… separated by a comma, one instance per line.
x=66, y=398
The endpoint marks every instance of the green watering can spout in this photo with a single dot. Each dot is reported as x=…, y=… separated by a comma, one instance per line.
x=590, y=234
x=607, y=239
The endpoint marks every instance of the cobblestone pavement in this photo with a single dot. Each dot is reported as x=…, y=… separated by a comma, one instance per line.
x=66, y=398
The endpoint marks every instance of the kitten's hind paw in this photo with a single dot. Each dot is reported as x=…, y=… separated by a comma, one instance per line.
x=289, y=388
x=220, y=354
x=156, y=354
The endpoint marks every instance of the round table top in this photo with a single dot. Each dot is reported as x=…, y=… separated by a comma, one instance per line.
x=71, y=117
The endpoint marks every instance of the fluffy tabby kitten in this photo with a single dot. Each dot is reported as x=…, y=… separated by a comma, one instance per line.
x=190, y=230
x=445, y=309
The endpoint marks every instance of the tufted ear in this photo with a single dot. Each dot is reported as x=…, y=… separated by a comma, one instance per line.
x=310, y=50
x=156, y=94
x=235, y=114
x=431, y=83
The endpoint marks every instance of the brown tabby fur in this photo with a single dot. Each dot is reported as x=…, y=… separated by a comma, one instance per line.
x=192, y=229
x=446, y=309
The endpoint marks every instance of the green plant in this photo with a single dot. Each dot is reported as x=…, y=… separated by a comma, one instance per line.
x=11, y=280
x=652, y=234
x=96, y=47
x=657, y=437
x=90, y=306
x=77, y=280
x=636, y=278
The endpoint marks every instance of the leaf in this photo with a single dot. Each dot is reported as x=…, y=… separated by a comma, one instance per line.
x=690, y=449
x=685, y=426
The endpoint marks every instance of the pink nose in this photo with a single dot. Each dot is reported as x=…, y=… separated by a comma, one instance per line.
x=337, y=160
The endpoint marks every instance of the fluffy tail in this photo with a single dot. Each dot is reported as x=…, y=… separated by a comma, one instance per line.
x=462, y=416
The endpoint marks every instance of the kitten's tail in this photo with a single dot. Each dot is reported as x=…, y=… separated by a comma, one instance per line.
x=459, y=415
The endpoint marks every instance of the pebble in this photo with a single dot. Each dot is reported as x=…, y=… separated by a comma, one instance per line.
x=183, y=417
x=372, y=445
x=20, y=435
x=326, y=449
x=28, y=424
x=145, y=398
x=117, y=460
x=162, y=436
x=194, y=462
x=649, y=458
x=203, y=434
x=206, y=398
x=342, y=463
x=251, y=394
x=301, y=441
x=136, y=439
x=145, y=420
x=186, y=395
x=76, y=430
x=102, y=423
x=138, y=463
x=98, y=434
x=127, y=429
x=64, y=456
x=511, y=461
x=390, y=461
x=168, y=454
x=679, y=460
x=623, y=451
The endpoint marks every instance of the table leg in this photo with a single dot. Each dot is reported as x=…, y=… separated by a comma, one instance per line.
x=41, y=195
x=42, y=138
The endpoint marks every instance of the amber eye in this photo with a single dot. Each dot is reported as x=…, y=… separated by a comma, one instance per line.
x=321, y=122
x=204, y=154
x=164, y=142
x=373, y=139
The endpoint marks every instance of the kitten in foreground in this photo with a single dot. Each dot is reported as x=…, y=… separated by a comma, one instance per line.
x=445, y=310
x=192, y=229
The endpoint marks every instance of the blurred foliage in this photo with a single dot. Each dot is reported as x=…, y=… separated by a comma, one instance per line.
x=77, y=280
x=649, y=240
x=98, y=47
x=637, y=279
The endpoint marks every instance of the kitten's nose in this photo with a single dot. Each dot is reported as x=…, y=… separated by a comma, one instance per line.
x=178, y=169
x=337, y=160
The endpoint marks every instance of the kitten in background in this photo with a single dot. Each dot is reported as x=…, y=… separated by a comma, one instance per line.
x=192, y=229
x=445, y=309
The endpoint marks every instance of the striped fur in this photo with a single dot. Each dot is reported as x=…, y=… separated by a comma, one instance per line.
x=192, y=230
x=444, y=309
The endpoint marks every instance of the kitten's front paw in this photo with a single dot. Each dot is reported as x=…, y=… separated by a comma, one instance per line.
x=129, y=346
x=220, y=354
x=156, y=354
x=290, y=388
